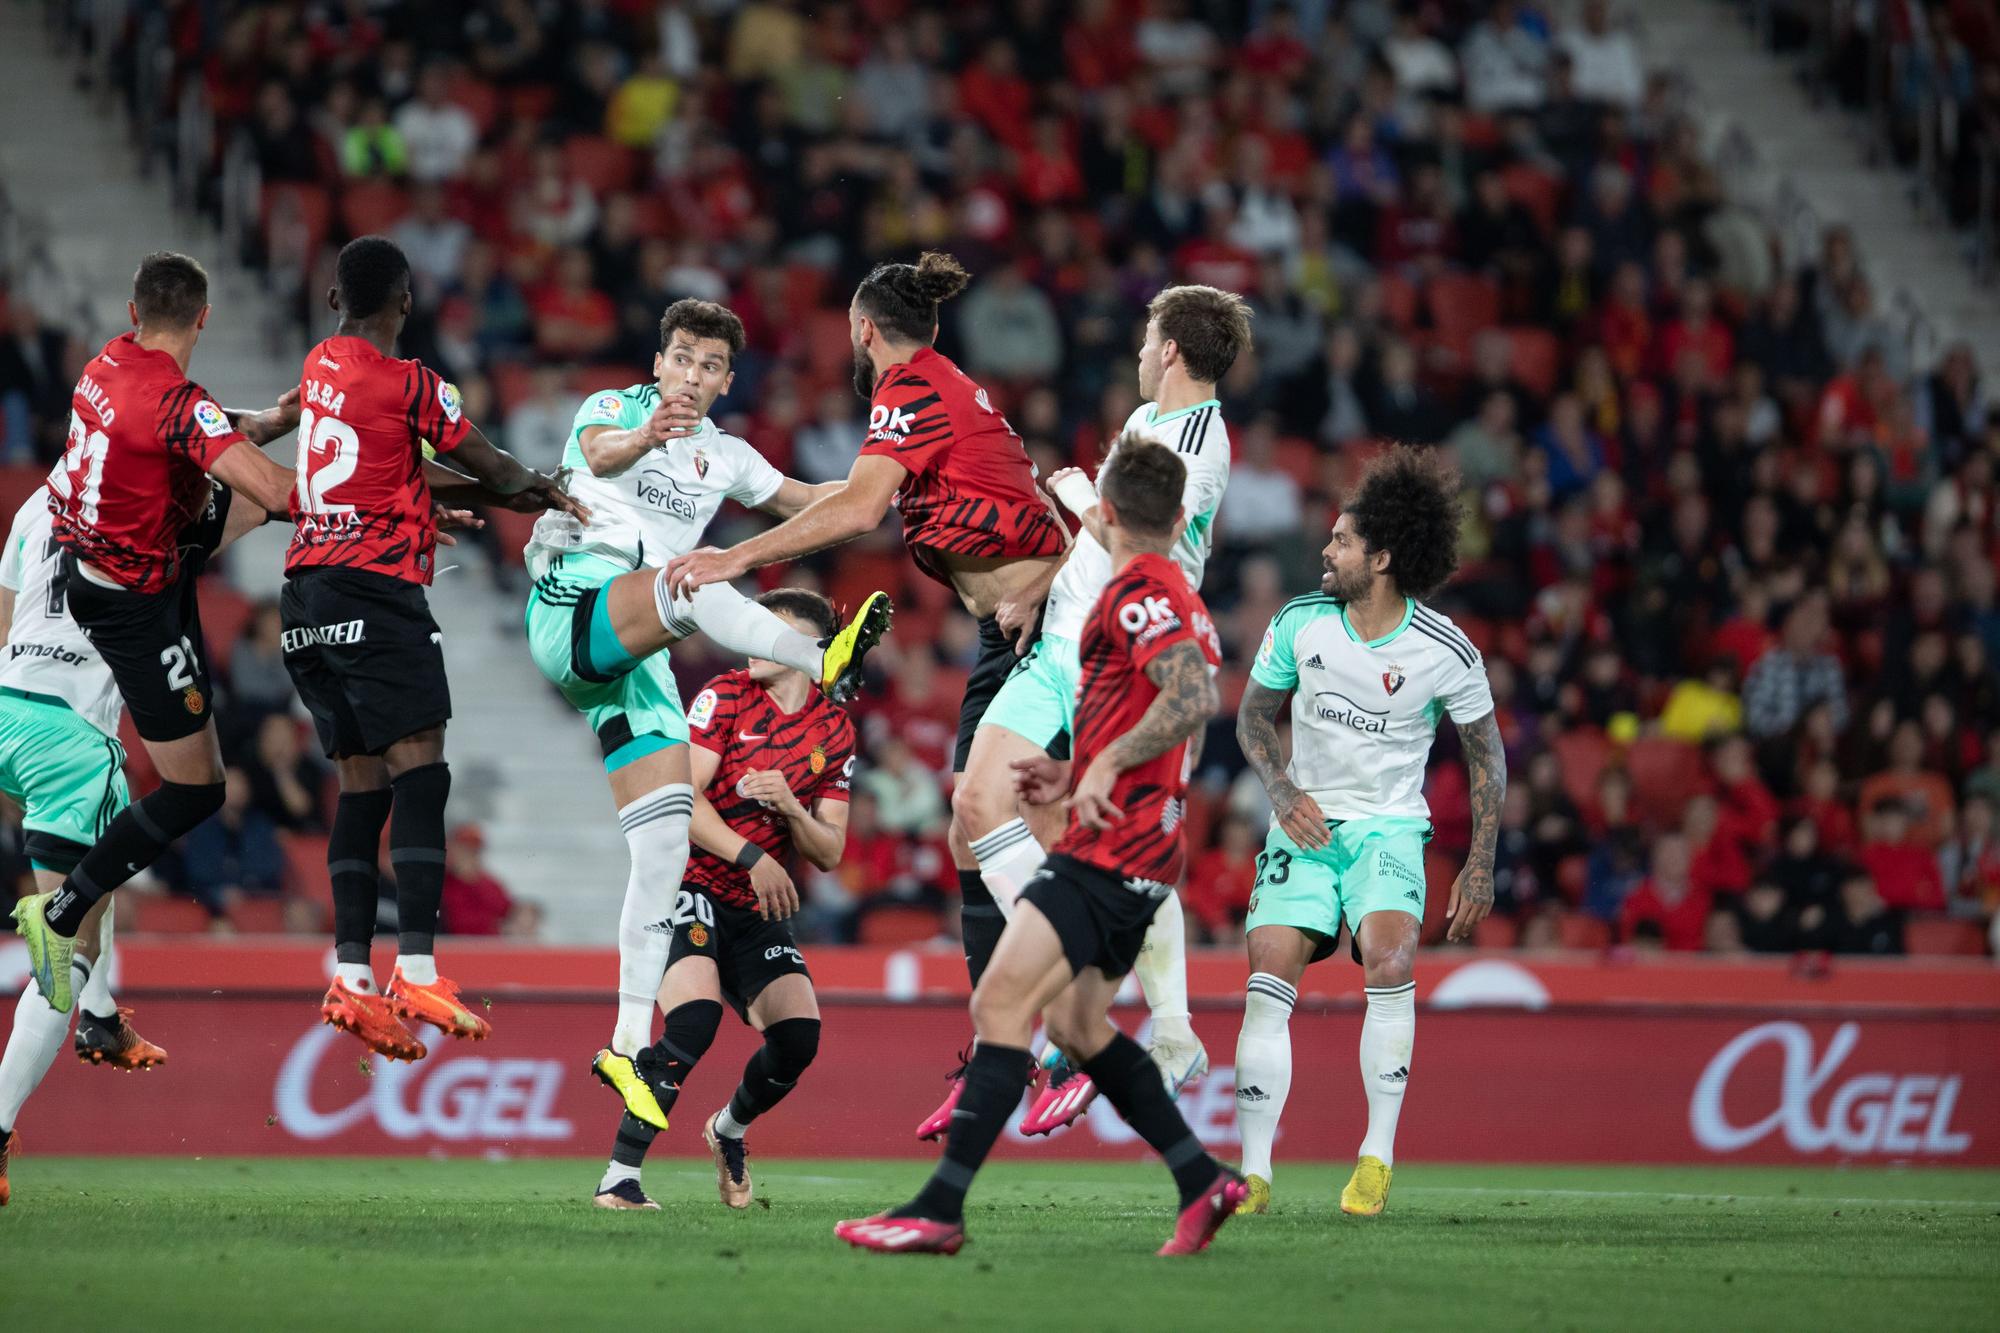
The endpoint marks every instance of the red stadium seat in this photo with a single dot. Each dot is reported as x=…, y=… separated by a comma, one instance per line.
x=805, y=286
x=305, y=206
x=1578, y=931
x=1461, y=305
x=1573, y=877
x=224, y=613
x=156, y=914
x=1299, y=460
x=17, y=483
x=368, y=208
x=1497, y=932
x=1943, y=936
x=512, y=529
x=531, y=102
x=1537, y=191
x=604, y=166
x=1583, y=753
x=140, y=775
x=258, y=916
x=1399, y=301
x=306, y=876
x=478, y=97
x=1665, y=775
x=1535, y=358
x=896, y=924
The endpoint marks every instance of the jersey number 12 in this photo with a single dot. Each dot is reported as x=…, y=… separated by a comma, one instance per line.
x=329, y=451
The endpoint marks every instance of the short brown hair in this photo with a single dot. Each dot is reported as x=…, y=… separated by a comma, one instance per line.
x=1144, y=481
x=703, y=319
x=806, y=605
x=170, y=290
x=1210, y=326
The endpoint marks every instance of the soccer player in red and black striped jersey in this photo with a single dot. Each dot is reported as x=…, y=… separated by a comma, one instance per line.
x=972, y=516
x=144, y=440
x=773, y=759
x=1149, y=657
x=359, y=640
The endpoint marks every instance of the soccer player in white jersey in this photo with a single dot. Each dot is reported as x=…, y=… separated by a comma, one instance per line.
x=1370, y=669
x=653, y=470
x=61, y=761
x=1193, y=336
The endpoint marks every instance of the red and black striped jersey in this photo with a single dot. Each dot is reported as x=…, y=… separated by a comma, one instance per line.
x=971, y=489
x=142, y=437
x=361, y=501
x=1145, y=609
x=738, y=721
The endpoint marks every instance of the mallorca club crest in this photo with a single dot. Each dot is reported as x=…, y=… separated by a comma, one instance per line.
x=700, y=463
x=817, y=761
x=1392, y=679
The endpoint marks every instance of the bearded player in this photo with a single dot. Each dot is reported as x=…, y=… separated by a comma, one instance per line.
x=655, y=469
x=1149, y=655
x=773, y=760
x=144, y=440
x=1193, y=336
x=61, y=762
x=1370, y=669
x=972, y=516
x=359, y=641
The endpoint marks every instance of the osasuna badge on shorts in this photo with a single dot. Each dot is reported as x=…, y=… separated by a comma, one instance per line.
x=1392, y=679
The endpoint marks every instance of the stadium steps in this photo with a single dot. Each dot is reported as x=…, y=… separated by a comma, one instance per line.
x=1815, y=158
x=524, y=767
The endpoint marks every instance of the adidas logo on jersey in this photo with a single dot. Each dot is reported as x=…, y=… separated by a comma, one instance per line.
x=1314, y=663
x=1401, y=1075
x=1253, y=1093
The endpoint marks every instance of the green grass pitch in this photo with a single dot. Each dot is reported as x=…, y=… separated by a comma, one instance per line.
x=415, y=1246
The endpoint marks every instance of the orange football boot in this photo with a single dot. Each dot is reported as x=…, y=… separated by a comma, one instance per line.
x=113, y=1042
x=8, y=1147
x=370, y=1017
x=437, y=1004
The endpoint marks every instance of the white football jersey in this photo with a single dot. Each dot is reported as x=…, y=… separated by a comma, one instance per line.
x=46, y=653
x=1364, y=714
x=660, y=506
x=1198, y=436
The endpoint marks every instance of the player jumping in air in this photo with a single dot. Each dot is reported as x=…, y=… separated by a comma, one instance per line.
x=1149, y=656
x=1193, y=336
x=972, y=516
x=60, y=760
x=359, y=640
x=1370, y=670
x=654, y=470
x=143, y=441
x=773, y=759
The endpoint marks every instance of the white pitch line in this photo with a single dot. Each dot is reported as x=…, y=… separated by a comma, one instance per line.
x=1853, y=1201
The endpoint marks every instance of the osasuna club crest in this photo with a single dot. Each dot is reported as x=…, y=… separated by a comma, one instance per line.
x=700, y=463
x=1392, y=679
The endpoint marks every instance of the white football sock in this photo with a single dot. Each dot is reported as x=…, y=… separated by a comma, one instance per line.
x=1008, y=858
x=1263, y=1068
x=656, y=834
x=95, y=998
x=614, y=1173
x=32, y=1045
x=737, y=625
x=727, y=1126
x=1162, y=970
x=419, y=969
x=358, y=977
x=1388, y=1034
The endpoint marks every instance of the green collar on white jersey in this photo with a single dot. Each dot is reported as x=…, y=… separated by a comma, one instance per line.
x=1409, y=611
x=1159, y=420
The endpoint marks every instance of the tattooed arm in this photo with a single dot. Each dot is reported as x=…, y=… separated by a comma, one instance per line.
x=1187, y=699
x=1257, y=732
x=1486, y=763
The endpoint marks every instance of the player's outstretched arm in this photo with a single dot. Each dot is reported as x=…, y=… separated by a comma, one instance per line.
x=1187, y=698
x=243, y=468
x=1486, y=768
x=1257, y=734
x=795, y=496
x=506, y=475
x=855, y=508
x=267, y=424
x=610, y=451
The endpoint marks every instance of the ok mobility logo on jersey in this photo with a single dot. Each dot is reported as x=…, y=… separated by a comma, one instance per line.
x=1333, y=706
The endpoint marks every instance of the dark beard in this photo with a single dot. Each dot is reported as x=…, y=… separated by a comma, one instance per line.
x=864, y=374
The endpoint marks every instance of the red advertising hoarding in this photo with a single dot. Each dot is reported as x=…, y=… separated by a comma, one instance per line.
x=258, y=1074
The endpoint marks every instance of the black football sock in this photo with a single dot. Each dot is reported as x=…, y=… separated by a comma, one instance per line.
x=774, y=1070
x=993, y=1083
x=131, y=842
x=684, y=1039
x=635, y=1136
x=979, y=922
x=416, y=850
x=1131, y=1082
x=353, y=849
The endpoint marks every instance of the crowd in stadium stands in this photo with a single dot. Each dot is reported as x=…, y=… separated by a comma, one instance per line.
x=1729, y=555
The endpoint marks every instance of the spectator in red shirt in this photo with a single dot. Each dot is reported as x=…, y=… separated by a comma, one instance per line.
x=1718, y=865
x=1819, y=800
x=1749, y=811
x=1925, y=797
x=573, y=320
x=1047, y=169
x=1625, y=326
x=476, y=903
x=1275, y=50
x=994, y=93
x=1698, y=330
x=1214, y=260
x=1668, y=898
x=1905, y=872
x=1217, y=893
